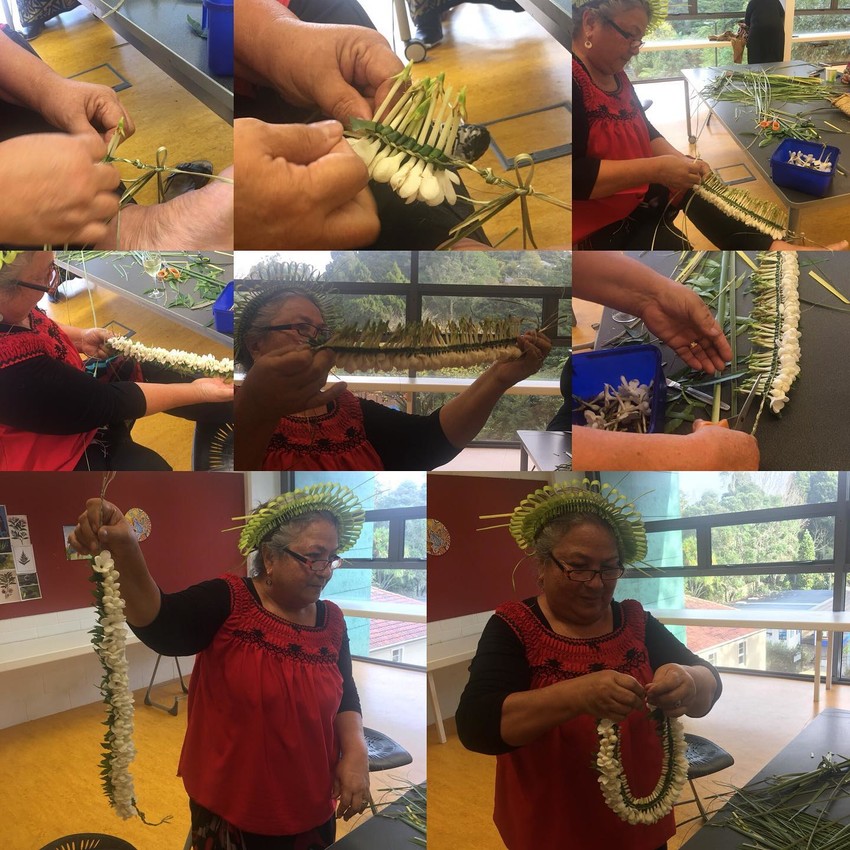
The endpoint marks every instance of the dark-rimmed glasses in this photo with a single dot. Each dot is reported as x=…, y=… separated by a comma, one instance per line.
x=633, y=42
x=573, y=574
x=320, y=334
x=53, y=282
x=317, y=565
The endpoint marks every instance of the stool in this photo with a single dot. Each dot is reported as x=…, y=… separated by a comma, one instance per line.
x=212, y=447
x=148, y=701
x=704, y=758
x=89, y=841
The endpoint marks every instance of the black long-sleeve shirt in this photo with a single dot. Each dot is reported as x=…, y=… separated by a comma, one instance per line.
x=188, y=621
x=500, y=668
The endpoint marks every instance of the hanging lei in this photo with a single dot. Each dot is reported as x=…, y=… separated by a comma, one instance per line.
x=179, y=361
x=109, y=638
x=615, y=784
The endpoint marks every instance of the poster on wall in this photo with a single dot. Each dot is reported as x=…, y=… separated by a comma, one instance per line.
x=18, y=577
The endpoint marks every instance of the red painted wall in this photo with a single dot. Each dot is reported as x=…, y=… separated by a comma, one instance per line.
x=475, y=574
x=188, y=512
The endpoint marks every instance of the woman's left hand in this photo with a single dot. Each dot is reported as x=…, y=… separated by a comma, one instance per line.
x=535, y=347
x=351, y=786
x=77, y=107
x=672, y=689
x=93, y=343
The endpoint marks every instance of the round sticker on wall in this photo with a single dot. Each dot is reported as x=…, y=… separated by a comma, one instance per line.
x=439, y=538
x=140, y=522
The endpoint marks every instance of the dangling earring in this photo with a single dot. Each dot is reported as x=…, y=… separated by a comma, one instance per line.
x=588, y=43
x=269, y=580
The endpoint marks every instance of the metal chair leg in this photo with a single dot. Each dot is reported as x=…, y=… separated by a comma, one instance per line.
x=699, y=802
x=148, y=701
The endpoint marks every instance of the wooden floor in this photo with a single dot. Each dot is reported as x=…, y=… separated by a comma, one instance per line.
x=754, y=719
x=164, y=112
x=510, y=65
x=170, y=436
x=58, y=755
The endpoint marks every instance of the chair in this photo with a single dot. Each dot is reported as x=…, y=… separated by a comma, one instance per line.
x=704, y=758
x=212, y=447
x=384, y=754
x=89, y=841
x=172, y=710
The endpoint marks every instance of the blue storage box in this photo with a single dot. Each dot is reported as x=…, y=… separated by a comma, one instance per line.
x=806, y=180
x=594, y=369
x=217, y=20
x=223, y=310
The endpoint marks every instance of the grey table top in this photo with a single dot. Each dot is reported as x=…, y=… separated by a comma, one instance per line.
x=739, y=120
x=552, y=15
x=381, y=833
x=828, y=732
x=103, y=272
x=812, y=430
x=547, y=450
x=158, y=28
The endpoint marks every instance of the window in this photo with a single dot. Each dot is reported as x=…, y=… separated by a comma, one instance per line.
x=742, y=653
x=783, y=634
x=712, y=658
x=398, y=654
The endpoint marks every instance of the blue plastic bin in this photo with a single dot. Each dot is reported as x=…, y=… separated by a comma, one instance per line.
x=803, y=179
x=218, y=22
x=223, y=310
x=593, y=369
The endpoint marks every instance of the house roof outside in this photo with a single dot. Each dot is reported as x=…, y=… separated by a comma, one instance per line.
x=386, y=633
x=704, y=638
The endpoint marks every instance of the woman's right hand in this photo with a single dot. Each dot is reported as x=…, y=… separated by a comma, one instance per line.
x=677, y=172
x=101, y=526
x=723, y=448
x=608, y=694
x=56, y=190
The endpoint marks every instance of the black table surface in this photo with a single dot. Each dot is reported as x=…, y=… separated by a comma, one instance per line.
x=828, y=732
x=811, y=432
x=740, y=120
x=382, y=833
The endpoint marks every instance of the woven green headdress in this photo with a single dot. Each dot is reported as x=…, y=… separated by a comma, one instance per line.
x=543, y=506
x=8, y=257
x=294, y=278
x=658, y=10
x=334, y=498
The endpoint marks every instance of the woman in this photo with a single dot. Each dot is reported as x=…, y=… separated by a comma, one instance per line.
x=426, y=16
x=550, y=668
x=626, y=173
x=36, y=13
x=274, y=734
x=342, y=431
x=54, y=415
x=765, y=21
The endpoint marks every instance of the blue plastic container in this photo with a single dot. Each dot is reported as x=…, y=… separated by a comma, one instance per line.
x=217, y=20
x=806, y=180
x=594, y=369
x=223, y=310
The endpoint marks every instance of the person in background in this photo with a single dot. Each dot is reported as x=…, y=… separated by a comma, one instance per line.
x=35, y=14
x=765, y=22
x=426, y=15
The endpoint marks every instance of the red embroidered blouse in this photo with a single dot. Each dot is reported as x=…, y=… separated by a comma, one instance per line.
x=547, y=792
x=260, y=747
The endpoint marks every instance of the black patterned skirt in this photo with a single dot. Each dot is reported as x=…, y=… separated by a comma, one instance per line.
x=39, y=11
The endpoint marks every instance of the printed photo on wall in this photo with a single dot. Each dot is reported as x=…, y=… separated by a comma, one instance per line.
x=9, y=591
x=19, y=529
x=4, y=522
x=5, y=545
x=70, y=554
x=18, y=579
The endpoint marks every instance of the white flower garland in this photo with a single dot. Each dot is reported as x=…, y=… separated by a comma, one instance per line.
x=179, y=361
x=789, y=344
x=615, y=784
x=110, y=643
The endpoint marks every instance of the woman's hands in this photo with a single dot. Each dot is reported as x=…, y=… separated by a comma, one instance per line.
x=93, y=342
x=535, y=347
x=213, y=390
x=102, y=526
x=85, y=108
x=608, y=694
x=672, y=689
x=351, y=785
x=300, y=186
x=678, y=172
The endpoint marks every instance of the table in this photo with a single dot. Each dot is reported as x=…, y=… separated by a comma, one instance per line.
x=553, y=16
x=446, y=654
x=102, y=272
x=159, y=30
x=383, y=833
x=777, y=618
x=810, y=433
x=828, y=732
x=739, y=121
x=547, y=449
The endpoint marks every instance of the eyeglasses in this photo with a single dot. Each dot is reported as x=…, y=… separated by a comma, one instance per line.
x=633, y=42
x=53, y=282
x=607, y=574
x=315, y=564
x=320, y=334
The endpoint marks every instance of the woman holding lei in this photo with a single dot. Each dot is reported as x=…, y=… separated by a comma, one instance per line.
x=561, y=687
x=274, y=748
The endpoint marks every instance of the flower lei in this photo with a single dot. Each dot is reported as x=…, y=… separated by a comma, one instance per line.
x=109, y=638
x=615, y=784
x=179, y=361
